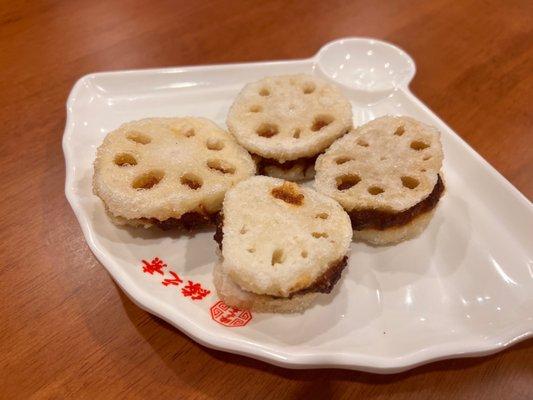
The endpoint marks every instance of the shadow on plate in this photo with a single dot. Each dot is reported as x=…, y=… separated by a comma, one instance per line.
x=173, y=347
x=184, y=250
x=441, y=248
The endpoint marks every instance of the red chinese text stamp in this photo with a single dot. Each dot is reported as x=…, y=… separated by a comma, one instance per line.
x=172, y=281
x=193, y=290
x=156, y=265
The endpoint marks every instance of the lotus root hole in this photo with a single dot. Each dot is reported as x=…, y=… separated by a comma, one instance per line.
x=322, y=215
x=423, y=170
x=319, y=235
x=308, y=87
x=221, y=166
x=267, y=130
x=410, y=182
x=256, y=108
x=243, y=230
x=321, y=121
x=214, y=144
x=399, y=131
x=289, y=192
x=278, y=256
x=264, y=92
x=148, y=180
x=296, y=133
x=125, y=160
x=251, y=250
x=139, y=137
x=180, y=132
x=342, y=160
x=375, y=190
x=419, y=145
x=362, y=143
x=345, y=182
x=192, y=181
x=304, y=254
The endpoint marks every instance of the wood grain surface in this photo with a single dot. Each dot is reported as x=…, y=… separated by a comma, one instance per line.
x=66, y=331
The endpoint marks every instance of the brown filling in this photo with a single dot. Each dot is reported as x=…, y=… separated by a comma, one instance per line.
x=219, y=234
x=323, y=284
x=381, y=220
x=305, y=162
x=188, y=221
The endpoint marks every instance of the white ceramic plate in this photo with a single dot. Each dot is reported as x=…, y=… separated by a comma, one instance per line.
x=463, y=288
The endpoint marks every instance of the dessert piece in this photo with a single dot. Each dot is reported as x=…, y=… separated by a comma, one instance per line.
x=287, y=121
x=386, y=174
x=168, y=171
x=281, y=245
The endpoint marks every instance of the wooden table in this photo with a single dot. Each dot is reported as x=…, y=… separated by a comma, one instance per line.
x=67, y=331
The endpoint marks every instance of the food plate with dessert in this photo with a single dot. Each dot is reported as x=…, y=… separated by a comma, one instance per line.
x=440, y=263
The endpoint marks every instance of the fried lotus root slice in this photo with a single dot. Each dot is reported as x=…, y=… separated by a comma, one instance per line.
x=389, y=165
x=279, y=239
x=289, y=117
x=168, y=171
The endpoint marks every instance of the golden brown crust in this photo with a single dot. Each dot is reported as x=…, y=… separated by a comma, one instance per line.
x=288, y=192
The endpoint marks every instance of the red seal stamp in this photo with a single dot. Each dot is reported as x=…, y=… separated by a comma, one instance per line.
x=229, y=316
